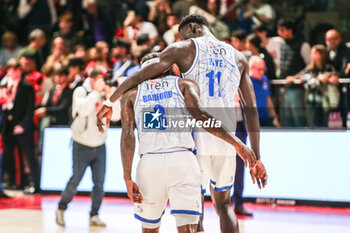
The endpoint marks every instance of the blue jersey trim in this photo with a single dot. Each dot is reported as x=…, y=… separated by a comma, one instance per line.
x=223, y=188
x=213, y=182
x=204, y=190
x=191, y=212
x=147, y=220
x=195, y=59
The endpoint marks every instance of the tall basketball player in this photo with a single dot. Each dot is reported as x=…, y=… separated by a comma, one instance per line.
x=220, y=71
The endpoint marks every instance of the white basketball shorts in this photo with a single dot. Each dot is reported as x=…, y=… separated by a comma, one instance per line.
x=173, y=176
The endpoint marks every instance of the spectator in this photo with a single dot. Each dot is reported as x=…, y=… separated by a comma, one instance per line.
x=238, y=40
x=339, y=54
x=139, y=6
x=102, y=48
x=59, y=101
x=17, y=130
x=255, y=12
x=9, y=48
x=75, y=75
x=80, y=52
x=88, y=144
x=2, y=193
x=295, y=54
x=254, y=46
x=99, y=22
x=181, y=7
x=138, y=53
x=32, y=76
x=121, y=51
x=37, y=39
x=266, y=110
x=320, y=84
x=158, y=15
x=37, y=14
x=171, y=21
x=271, y=44
x=134, y=26
x=59, y=52
x=66, y=31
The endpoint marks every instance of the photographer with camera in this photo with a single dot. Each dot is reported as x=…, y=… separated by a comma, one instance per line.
x=88, y=143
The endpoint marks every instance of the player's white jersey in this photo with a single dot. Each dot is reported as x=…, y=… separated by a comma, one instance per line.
x=215, y=70
x=156, y=101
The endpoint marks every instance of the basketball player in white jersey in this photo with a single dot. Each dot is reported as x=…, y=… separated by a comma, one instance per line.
x=220, y=71
x=167, y=169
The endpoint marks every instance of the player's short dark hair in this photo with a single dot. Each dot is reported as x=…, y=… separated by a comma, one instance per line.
x=259, y=28
x=286, y=23
x=240, y=34
x=152, y=55
x=149, y=56
x=194, y=18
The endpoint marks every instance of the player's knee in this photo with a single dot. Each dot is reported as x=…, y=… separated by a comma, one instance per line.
x=185, y=219
x=148, y=225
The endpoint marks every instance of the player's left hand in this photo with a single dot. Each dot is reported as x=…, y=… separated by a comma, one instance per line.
x=259, y=174
x=133, y=191
x=105, y=112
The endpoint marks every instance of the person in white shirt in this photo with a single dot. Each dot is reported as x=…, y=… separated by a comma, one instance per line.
x=88, y=144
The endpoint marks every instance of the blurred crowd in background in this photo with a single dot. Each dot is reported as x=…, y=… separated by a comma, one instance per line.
x=49, y=47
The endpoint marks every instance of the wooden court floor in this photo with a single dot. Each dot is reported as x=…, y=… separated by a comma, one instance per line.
x=36, y=214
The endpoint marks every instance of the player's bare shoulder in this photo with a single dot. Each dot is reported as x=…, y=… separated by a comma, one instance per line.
x=241, y=60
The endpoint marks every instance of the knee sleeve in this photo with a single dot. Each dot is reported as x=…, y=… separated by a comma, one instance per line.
x=185, y=219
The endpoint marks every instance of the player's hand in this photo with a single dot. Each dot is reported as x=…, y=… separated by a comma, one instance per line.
x=247, y=155
x=105, y=112
x=259, y=175
x=133, y=191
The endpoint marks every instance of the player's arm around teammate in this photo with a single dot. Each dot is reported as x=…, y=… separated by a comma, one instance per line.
x=191, y=92
x=248, y=100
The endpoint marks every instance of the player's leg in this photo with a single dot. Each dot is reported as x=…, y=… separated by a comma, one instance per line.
x=222, y=204
x=222, y=177
x=149, y=230
x=205, y=168
x=151, y=181
x=184, y=190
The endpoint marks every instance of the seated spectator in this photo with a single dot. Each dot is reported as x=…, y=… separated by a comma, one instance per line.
x=321, y=93
x=254, y=46
x=138, y=53
x=102, y=49
x=266, y=110
x=181, y=8
x=99, y=22
x=255, y=12
x=9, y=48
x=37, y=39
x=80, y=52
x=339, y=54
x=171, y=21
x=121, y=52
x=66, y=31
x=59, y=52
x=138, y=6
x=238, y=40
x=158, y=15
x=271, y=44
x=134, y=26
x=59, y=101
